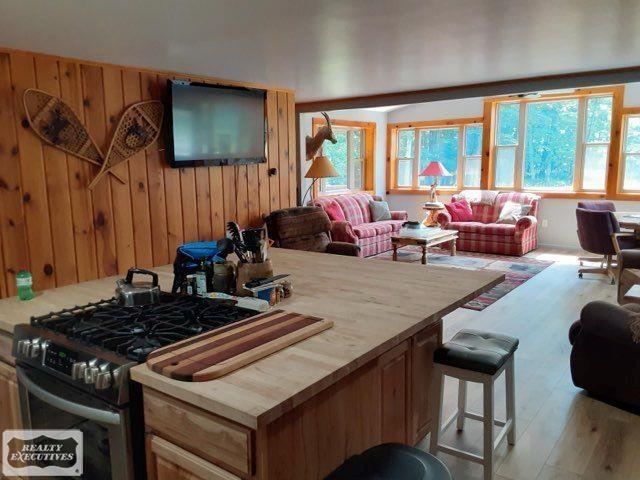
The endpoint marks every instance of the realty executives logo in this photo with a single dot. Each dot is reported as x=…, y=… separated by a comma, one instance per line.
x=36, y=453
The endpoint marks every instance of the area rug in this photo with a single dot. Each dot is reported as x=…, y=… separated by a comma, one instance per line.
x=517, y=270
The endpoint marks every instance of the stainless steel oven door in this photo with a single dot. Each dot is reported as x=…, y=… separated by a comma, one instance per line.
x=48, y=403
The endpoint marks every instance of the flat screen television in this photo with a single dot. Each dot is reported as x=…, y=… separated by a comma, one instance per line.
x=214, y=125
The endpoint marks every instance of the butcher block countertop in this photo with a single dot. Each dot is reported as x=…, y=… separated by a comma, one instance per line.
x=374, y=304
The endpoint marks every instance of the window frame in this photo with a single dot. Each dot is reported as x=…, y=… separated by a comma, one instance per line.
x=611, y=188
x=626, y=114
x=367, y=149
x=393, y=131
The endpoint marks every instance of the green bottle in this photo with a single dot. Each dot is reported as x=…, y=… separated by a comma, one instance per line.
x=24, y=281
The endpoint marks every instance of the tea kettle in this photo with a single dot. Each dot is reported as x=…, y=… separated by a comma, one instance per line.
x=132, y=294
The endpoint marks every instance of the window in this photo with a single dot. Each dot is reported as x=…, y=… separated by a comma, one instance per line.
x=457, y=146
x=554, y=145
x=351, y=155
x=630, y=161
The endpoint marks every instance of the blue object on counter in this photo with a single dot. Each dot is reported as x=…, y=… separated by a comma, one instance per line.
x=189, y=256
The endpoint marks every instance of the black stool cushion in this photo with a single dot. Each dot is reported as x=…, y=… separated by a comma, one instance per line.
x=391, y=461
x=478, y=351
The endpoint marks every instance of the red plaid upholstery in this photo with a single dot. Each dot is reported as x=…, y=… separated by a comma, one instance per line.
x=372, y=237
x=484, y=236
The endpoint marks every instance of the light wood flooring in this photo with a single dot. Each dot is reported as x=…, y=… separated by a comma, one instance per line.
x=562, y=434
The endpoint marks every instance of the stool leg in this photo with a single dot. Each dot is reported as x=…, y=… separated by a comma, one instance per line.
x=488, y=414
x=511, y=399
x=462, y=404
x=437, y=392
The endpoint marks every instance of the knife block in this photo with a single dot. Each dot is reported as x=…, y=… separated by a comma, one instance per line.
x=249, y=271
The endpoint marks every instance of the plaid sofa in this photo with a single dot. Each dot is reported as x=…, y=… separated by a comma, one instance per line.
x=485, y=236
x=372, y=237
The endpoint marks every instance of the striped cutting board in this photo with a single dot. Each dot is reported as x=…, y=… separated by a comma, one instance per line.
x=218, y=352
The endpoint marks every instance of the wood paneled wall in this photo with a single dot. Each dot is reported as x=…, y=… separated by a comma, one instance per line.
x=51, y=224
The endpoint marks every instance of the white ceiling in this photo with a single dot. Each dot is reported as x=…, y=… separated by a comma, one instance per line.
x=335, y=48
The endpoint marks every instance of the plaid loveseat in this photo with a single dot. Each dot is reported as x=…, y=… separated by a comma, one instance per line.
x=485, y=236
x=372, y=237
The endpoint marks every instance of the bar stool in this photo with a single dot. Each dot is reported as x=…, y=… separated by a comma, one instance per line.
x=391, y=461
x=475, y=356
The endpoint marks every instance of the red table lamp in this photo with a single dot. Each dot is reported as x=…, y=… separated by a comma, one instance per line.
x=434, y=169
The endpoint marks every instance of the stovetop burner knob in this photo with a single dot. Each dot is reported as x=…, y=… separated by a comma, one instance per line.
x=91, y=371
x=22, y=347
x=103, y=379
x=34, y=349
x=77, y=370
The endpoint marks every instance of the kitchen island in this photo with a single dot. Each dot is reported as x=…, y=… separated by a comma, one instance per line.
x=300, y=412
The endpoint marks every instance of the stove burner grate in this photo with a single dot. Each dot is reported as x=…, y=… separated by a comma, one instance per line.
x=135, y=332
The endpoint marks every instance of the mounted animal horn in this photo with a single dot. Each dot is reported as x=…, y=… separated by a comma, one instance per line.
x=324, y=133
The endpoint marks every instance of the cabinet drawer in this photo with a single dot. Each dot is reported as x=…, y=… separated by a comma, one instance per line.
x=167, y=461
x=208, y=436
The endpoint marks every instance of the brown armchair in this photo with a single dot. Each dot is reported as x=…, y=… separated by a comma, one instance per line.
x=605, y=359
x=306, y=228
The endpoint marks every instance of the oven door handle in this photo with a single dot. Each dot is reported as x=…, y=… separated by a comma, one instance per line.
x=90, y=413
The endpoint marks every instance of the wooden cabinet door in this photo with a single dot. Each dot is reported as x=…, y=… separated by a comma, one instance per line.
x=423, y=344
x=166, y=461
x=9, y=400
x=394, y=371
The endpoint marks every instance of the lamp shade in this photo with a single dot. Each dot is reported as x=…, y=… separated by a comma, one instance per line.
x=321, y=168
x=435, y=169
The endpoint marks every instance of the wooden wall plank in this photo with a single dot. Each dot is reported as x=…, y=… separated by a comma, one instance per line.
x=189, y=205
x=34, y=187
x=242, y=202
x=253, y=192
x=217, y=202
x=51, y=224
x=155, y=177
x=293, y=157
x=80, y=174
x=229, y=192
x=203, y=203
x=95, y=122
x=175, y=228
x=283, y=150
x=138, y=183
x=272, y=150
x=13, y=232
x=57, y=185
x=121, y=198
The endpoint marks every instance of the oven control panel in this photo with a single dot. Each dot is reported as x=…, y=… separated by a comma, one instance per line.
x=59, y=358
x=92, y=371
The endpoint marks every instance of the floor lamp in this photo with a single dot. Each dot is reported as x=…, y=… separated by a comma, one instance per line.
x=320, y=168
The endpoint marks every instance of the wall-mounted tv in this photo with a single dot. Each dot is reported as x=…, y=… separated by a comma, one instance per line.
x=214, y=125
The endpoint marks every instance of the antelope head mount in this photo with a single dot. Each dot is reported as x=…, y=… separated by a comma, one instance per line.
x=324, y=133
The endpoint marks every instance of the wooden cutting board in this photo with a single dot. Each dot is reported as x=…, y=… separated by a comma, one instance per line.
x=220, y=351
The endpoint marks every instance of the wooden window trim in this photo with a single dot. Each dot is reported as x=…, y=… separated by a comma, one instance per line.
x=392, y=160
x=369, y=161
x=611, y=191
x=621, y=192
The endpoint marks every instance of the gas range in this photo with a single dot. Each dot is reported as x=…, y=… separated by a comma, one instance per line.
x=93, y=346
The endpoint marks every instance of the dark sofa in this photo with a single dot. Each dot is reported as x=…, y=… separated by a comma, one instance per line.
x=605, y=360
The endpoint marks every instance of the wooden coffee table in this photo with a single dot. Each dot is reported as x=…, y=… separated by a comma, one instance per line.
x=425, y=238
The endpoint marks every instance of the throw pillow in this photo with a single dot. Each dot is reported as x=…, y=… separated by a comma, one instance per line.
x=379, y=210
x=512, y=212
x=460, y=211
x=334, y=211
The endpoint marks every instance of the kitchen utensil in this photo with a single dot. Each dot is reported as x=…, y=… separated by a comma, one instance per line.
x=239, y=246
x=263, y=281
x=131, y=294
x=255, y=242
x=216, y=353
